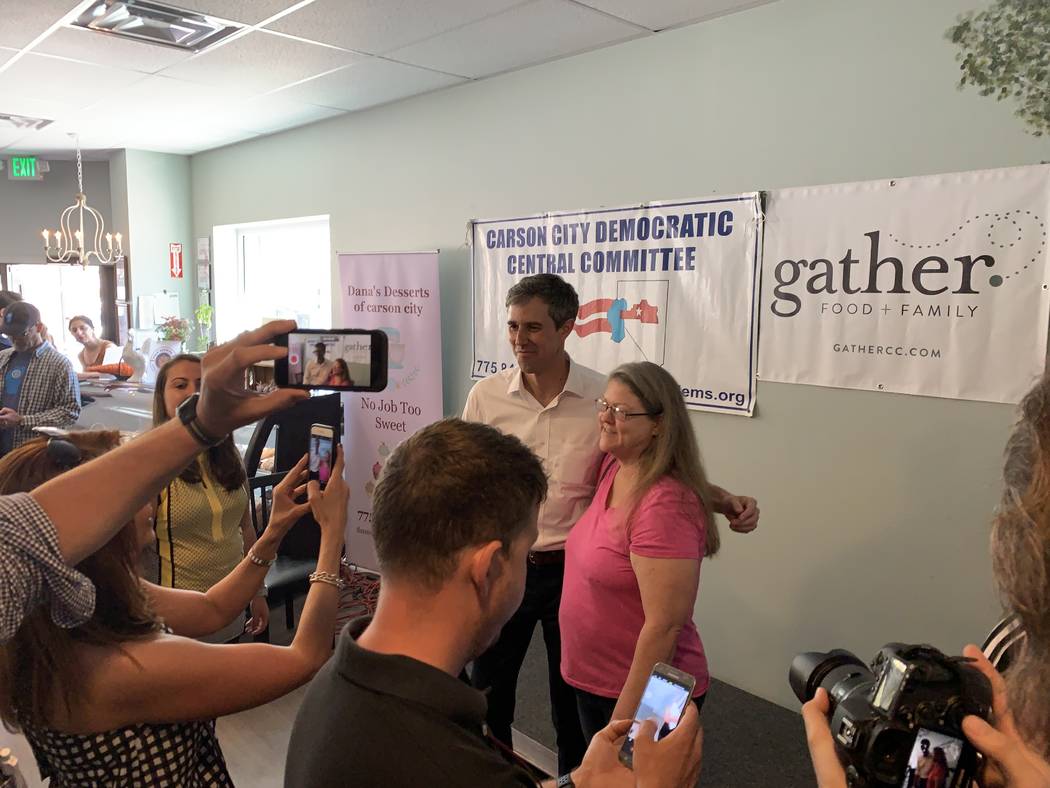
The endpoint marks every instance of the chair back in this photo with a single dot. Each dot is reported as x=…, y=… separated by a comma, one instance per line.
x=292, y=441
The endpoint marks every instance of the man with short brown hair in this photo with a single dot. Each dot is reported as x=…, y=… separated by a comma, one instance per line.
x=454, y=516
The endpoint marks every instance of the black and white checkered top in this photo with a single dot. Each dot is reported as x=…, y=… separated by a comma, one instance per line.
x=176, y=755
x=33, y=572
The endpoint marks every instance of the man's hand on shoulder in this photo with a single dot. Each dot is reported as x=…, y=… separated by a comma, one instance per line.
x=741, y=510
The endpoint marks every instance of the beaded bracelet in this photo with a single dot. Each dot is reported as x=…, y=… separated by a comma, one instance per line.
x=327, y=577
x=258, y=561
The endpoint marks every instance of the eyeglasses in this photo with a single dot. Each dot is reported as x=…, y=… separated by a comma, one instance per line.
x=619, y=413
x=63, y=453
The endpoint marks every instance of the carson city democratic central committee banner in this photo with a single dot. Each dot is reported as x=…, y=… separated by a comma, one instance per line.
x=931, y=285
x=398, y=293
x=673, y=283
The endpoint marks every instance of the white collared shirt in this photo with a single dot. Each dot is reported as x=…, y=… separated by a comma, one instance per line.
x=564, y=435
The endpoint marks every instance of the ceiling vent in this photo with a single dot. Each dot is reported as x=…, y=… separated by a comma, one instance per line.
x=22, y=122
x=155, y=23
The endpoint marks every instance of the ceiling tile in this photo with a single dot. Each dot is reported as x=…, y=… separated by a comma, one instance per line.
x=379, y=26
x=105, y=49
x=34, y=108
x=259, y=61
x=531, y=33
x=9, y=136
x=662, y=14
x=267, y=114
x=249, y=12
x=24, y=21
x=375, y=81
x=56, y=138
x=6, y=54
x=167, y=102
x=63, y=81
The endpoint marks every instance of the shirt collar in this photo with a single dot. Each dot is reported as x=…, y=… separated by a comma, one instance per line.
x=406, y=678
x=574, y=384
x=37, y=351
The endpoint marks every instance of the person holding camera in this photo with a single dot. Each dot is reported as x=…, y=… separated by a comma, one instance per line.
x=454, y=517
x=123, y=696
x=43, y=535
x=204, y=526
x=1016, y=740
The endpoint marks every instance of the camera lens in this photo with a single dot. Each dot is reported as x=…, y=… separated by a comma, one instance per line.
x=814, y=669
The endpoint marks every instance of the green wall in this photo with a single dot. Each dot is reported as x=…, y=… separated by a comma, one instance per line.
x=875, y=506
x=151, y=192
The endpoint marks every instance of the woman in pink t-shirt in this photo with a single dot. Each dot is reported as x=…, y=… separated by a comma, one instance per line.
x=632, y=561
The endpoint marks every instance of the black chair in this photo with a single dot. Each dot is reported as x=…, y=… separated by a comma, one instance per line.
x=297, y=557
x=292, y=430
x=289, y=576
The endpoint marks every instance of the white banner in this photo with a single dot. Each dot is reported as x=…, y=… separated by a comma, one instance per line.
x=932, y=285
x=398, y=293
x=673, y=283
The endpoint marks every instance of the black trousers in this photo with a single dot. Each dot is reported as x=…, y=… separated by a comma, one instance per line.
x=496, y=671
x=596, y=711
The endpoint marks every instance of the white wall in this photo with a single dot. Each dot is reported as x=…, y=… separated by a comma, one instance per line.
x=27, y=207
x=875, y=506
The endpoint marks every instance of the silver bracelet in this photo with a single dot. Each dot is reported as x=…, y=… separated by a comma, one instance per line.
x=327, y=577
x=251, y=556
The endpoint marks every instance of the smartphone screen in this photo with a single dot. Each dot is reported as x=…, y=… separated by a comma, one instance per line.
x=663, y=702
x=936, y=759
x=333, y=360
x=322, y=453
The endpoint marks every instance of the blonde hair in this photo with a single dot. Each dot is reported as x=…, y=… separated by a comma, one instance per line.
x=673, y=451
x=1020, y=543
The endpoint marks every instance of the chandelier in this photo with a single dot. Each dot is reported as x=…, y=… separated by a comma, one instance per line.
x=66, y=245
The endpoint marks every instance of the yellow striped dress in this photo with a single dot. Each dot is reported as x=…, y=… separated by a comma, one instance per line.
x=198, y=531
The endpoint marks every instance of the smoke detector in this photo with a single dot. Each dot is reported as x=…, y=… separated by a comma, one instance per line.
x=155, y=23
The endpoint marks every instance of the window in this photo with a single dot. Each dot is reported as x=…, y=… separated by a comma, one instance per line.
x=269, y=270
x=60, y=292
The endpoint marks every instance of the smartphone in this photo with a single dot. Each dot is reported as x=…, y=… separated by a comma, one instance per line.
x=940, y=759
x=322, y=452
x=664, y=700
x=333, y=359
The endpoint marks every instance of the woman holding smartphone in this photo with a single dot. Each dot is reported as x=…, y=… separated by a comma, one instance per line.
x=203, y=527
x=632, y=561
x=125, y=698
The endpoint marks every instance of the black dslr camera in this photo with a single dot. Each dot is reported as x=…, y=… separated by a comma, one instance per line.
x=899, y=723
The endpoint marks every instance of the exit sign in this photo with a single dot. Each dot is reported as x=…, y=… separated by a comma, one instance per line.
x=24, y=168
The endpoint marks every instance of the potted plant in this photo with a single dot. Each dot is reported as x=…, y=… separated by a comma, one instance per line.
x=174, y=329
x=204, y=315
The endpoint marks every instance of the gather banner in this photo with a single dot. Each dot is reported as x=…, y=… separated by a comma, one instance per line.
x=933, y=285
x=675, y=283
x=398, y=293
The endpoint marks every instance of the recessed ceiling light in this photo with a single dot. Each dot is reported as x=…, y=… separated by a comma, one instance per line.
x=155, y=23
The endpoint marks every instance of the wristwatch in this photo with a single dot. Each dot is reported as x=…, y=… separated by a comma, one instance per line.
x=565, y=781
x=187, y=413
